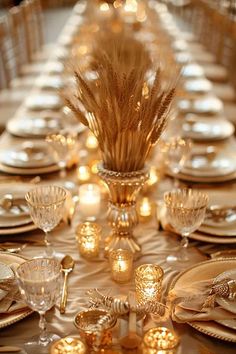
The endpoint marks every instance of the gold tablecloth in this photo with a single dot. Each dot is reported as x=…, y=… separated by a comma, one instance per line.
x=156, y=245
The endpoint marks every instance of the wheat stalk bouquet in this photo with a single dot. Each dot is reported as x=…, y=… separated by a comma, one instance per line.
x=125, y=109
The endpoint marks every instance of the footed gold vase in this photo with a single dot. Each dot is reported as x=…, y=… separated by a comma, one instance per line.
x=122, y=215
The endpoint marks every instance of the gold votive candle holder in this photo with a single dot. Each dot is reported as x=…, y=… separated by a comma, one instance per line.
x=159, y=340
x=83, y=174
x=121, y=263
x=68, y=345
x=88, y=236
x=148, y=282
x=87, y=322
x=145, y=209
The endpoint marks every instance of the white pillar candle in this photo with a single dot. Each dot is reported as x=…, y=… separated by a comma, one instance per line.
x=89, y=201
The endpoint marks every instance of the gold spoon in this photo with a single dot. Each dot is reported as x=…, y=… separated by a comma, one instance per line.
x=67, y=265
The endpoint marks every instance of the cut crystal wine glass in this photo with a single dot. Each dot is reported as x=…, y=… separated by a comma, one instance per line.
x=63, y=144
x=46, y=206
x=176, y=151
x=39, y=283
x=185, y=211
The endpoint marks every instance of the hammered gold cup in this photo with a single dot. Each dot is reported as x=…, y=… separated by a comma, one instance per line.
x=148, y=282
x=87, y=323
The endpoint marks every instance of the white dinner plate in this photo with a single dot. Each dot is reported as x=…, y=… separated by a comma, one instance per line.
x=203, y=105
x=192, y=70
x=29, y=154
x=199, y=85
x=5, y=273
x=206, y=128
x=41, y=102
x=209, y=165
x=35, y=127
x=50, y=82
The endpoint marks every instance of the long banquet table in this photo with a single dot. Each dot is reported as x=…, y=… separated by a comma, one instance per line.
x=90, y=274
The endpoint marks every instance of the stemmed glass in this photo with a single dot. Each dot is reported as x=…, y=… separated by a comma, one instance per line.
x=39, y=284
x=63, y=144
x=46, y=206
x=185, y=211
x=176, y=151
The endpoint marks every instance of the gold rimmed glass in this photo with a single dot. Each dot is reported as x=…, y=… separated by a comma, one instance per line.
x=46, y=206
x=185, y=211
x=39, y=283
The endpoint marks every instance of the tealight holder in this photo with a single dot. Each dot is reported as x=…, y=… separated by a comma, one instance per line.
x=87, y=322
x=121, y=263
x=88, y=236
x=160, y=340
x=83, y=174
x=145, y=209
x=89, y=201
x=148, y=282
x=68, y=345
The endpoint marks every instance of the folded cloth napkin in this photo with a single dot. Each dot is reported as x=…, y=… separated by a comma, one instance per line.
x=198, y=301
x=12, y=303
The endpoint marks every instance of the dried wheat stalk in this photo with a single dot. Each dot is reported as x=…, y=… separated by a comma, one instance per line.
x=123, y=107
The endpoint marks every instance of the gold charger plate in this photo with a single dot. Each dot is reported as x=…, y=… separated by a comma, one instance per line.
x=199, y=179
x=18, y=230
x=28, y=171
x=9, y=258
x=203, y=271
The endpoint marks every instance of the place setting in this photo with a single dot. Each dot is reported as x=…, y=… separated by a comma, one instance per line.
x=36, y=126
x=206, y=164
x=14, y=212
x=44, y=101
x=206, y=128
x=218, y=224
x=204, y=296
x=28, y=158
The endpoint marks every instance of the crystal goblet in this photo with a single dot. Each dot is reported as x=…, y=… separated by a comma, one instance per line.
x=39, y=283
x=46, y=206
x=185, y=211
x=176, y=151
x=63, y=145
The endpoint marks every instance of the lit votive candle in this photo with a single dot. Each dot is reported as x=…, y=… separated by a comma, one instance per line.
x=159, y=340
x=83, y=174
x=88, y=237
x=91, y=142
x=148, y=282
x=153, y=176
x=68, y=345
x=121, y=263
x=145, y=209
x=89, y=201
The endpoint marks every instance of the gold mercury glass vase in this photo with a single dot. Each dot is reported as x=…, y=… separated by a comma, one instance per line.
x=122, y=214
